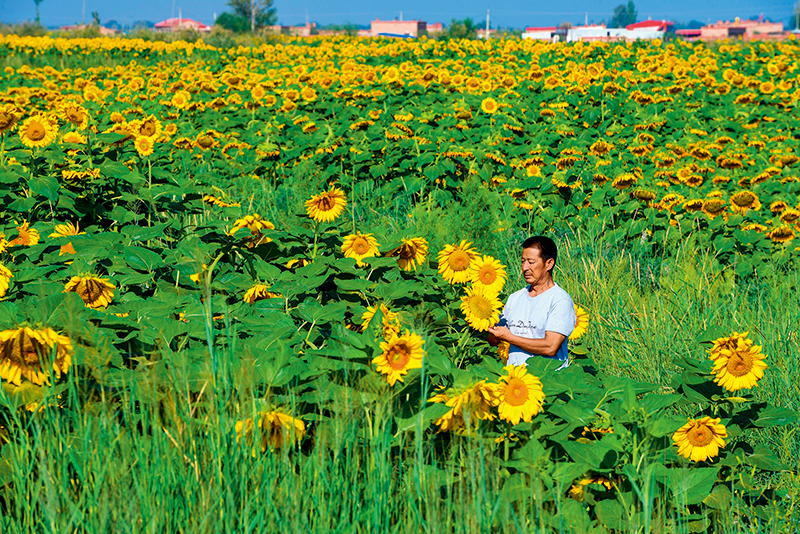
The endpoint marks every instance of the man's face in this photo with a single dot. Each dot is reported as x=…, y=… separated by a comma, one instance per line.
x=534, y=269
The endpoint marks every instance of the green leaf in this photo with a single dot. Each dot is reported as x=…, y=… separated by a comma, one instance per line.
x=691, y=485
x=142, y=259
x=775, y=416
x=763, y=458
x=46, y=186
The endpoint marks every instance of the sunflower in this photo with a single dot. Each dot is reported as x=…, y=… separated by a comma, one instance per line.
x=400, y=353
x=326, y=206
x=487, y=272
x=578, y=489
x=410, y=254
x=259, y=292
x=624, y=181
x=467, y=409
x=5, y=279
x=38, y=131
x=600, y=148
x=180, y=99
x=308, y=94
x=74, y=138
x=149, y=127
x=481, y=307
x=454, y=262
x=8, y=117
x=25, y=353
x=276, y=430
x=144, y=146
x=781, y=234
x=581, y=324
x=738, y=364
x=789, y=216
x=700, y=439
x=713, y=207
x=74, y=114
x=391, y=322
x=359, y=246
x=27, y=236
x=66, y=230
x=489, y=106
x=253, y=222
x=518, y=395
x=743, y=201
x=95, y=292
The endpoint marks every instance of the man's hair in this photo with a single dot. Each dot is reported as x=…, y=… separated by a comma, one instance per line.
x=546, y=247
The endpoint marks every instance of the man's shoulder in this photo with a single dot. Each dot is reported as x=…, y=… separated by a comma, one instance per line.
x=559, y=293
x=520, y=294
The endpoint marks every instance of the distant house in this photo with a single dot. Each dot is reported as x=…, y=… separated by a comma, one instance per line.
x=482, y=33
x=301, y=30
x=741, y=29
x=173, y=24
x=648, y=29
x=400, y=28
x=435, y=28
x=105, y=32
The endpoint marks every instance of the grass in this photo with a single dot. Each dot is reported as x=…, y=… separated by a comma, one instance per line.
x=121, y=463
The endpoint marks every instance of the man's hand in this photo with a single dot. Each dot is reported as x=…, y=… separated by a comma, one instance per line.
x=502, y=333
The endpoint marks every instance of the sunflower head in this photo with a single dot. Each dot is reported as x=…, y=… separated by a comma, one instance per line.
x=518, y=395
x=467, y=408
x=359, y=246
x=95, y=292
x=581, y=323
x=454, y=262
x=481, y=308
x=326, y=206
x=410, y=254
x=33, y=354
x=700, y=439
x=272, y=430
x=400, y=354
x=489, y=106
x=38, y=131
x=487, y=273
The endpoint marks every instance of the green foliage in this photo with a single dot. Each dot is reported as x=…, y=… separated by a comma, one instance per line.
x=461, y=29
x=257, y=13
x=624, y=14
x=233, y=22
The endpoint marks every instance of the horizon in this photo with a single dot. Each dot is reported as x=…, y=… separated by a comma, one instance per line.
x=55, y=13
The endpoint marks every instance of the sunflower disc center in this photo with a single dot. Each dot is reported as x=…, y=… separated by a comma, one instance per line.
x=516, y=392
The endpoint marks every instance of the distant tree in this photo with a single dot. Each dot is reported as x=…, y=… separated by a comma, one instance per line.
x=95, y=18
x=113, y=25
x=691, y=25
x=462, y=29
x=37, y=2
x=566, y=25
x=233, y=22
x=142, y=24
x=259, y=13
x=623, y=15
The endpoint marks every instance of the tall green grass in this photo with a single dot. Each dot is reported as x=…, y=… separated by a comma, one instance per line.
x=120, y=462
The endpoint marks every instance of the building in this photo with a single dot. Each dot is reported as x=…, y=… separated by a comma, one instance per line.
x=172, y=25
x=435, y=28
x=399, y=28
x=482, y=33
x=648, y=29
x=105, y=32
x=738, y=29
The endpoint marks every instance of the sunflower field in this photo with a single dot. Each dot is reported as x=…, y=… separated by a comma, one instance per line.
x=248, y=288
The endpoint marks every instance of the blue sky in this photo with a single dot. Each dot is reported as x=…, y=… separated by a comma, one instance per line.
x=509, y=13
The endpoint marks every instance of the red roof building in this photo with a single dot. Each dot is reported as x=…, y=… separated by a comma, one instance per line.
x=657, y=25
x=181, y=24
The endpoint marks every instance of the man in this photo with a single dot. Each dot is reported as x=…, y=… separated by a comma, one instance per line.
x=538, y=319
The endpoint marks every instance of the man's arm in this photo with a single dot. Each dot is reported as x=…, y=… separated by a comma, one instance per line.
x=544, y=347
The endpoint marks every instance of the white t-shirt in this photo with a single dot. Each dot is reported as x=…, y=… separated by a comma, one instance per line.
x=531, y=317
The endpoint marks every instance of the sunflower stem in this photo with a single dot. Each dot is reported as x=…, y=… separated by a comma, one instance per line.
x=316, y=239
